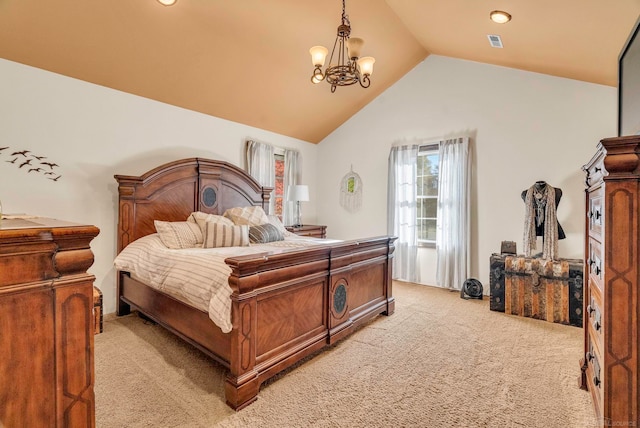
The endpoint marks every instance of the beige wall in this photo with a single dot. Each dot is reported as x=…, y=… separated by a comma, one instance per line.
x=94, y=132
x=524, y=127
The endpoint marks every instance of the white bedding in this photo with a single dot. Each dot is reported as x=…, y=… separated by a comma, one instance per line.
x=196, y=276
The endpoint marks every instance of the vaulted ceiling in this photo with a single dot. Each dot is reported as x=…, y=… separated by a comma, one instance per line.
x=247, y=60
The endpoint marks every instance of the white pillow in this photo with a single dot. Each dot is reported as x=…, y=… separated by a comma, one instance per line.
x=179, y=234
x=217, y=234
x=251, y=216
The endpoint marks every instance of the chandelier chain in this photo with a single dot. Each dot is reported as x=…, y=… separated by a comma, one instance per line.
x=345, y=17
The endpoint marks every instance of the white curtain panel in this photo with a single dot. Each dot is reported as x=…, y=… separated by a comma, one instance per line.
x=401, y=207
x=261, y=165
x=292, y=169
x=452, y=233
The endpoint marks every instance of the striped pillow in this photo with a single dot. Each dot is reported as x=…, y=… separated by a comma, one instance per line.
x=179, y=234
x=264, y=233
x=251, y=216
x=220, y=235
x=201, y=218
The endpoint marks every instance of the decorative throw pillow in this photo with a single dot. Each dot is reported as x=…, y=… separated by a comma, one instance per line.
x=274, y=220
x=201, y=218
x=251, y=216
x=221, y=235
x=179, y=234
x=264, y=233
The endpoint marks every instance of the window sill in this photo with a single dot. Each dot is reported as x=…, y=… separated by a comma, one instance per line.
x=427, y=244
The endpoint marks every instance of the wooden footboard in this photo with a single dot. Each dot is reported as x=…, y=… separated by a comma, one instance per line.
x=287, y=306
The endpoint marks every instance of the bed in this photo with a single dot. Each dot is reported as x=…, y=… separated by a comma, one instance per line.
x=285, y=305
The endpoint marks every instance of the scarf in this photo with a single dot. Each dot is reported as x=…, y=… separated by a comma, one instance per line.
x=540, y=206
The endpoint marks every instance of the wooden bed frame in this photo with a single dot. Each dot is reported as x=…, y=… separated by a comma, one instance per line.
x=285, y=305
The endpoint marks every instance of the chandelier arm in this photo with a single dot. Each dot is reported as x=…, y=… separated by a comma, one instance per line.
x=364, y=81
x=332, y=52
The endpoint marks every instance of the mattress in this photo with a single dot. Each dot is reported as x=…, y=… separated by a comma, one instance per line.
x=196, y=276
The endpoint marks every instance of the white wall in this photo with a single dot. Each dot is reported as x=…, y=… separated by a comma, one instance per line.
x=524, y=127
x=94, y=132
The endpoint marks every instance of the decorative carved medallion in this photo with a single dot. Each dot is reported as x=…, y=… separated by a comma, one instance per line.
x=209, y=197
x=340, y=298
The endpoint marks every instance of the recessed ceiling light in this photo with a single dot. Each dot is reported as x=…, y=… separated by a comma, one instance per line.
x=167, y=2
x=500, y=17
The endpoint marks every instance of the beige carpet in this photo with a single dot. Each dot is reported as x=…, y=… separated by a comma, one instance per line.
x=439, y=361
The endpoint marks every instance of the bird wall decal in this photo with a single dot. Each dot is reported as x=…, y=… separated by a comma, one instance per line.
x=29, y=157
x=51, y=165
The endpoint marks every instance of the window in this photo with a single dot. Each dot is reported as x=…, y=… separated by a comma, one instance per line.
x=427, y=194
x=278, y=201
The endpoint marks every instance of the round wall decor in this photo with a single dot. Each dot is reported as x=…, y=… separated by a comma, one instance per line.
x=351, y=191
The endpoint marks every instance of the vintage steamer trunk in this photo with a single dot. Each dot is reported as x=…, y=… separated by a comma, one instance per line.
x=537, y=288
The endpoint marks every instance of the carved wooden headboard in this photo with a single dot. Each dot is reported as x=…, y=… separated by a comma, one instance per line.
x=172, y=191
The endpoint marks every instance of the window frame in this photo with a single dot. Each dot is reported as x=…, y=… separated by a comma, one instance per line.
x=425, y=150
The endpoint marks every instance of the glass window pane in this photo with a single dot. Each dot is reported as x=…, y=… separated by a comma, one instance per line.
x=431, y=161
x=430, y=230
x=431, y=186
x=279, y=187
x=421, y=230
x=278, y=206
x=430, y=207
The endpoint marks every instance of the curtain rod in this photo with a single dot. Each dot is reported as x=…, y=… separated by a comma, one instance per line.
x=425, y=141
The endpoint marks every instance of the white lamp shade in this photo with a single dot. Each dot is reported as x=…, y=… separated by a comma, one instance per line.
x=354, y=45
x=299, y=193
x=167, y=2
x=366, y=65
x=318, y=55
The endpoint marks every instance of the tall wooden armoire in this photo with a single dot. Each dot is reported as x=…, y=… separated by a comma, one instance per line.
x=610, y=367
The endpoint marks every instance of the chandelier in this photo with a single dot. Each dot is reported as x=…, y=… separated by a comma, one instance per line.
x=348, y=68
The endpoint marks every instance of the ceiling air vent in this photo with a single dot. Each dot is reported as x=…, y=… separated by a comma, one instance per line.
x=494, y=40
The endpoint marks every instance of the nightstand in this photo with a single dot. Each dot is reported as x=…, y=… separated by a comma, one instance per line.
x=312, y=230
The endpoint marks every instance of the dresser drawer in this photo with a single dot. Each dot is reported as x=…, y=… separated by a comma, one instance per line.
x=595, y=263
x=594, y=318
x=595, y=213
x=594, y=374
x=595, y=170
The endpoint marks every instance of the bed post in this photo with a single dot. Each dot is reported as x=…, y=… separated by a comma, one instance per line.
x=391, y=301
x=242, y=384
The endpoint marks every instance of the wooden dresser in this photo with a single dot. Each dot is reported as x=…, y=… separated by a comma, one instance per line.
x=312, y=230
x=46, y=324
x=610, y=367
